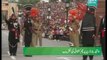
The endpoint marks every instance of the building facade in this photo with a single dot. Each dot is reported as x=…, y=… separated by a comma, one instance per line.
x=7, y=8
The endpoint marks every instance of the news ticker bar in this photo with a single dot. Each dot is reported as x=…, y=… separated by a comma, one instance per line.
x=62, y=51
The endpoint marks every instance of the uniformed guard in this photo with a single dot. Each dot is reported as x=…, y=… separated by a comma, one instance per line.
x=28, y=31
x=102, y=31
x=37, y=32
x=14, y=34
x=88, y=30
x=74, y=33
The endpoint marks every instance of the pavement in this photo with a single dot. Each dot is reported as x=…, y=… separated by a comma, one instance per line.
x=46, y=43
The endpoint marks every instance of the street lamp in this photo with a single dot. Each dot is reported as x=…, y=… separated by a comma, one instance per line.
x=67, y=9
x=49, y=11
x=48, y=16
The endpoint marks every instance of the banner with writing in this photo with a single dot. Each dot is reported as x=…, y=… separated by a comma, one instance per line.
x=92, y=3
x=62, y=51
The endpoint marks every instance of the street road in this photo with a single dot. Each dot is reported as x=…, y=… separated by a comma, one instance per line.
x=46, y=42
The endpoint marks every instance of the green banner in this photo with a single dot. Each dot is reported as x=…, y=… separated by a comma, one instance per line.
x=62, y=51
x=92, y=3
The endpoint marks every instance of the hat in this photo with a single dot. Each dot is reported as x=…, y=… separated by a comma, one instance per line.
x=91, y=9
x=28, y=6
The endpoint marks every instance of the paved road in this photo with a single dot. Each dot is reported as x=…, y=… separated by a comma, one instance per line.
x=46, y=42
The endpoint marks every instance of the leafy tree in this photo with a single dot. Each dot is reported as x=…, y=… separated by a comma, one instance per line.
x=22, y=3
x=28, y=1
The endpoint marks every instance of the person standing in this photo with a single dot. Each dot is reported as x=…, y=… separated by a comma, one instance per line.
x=54, y=33
x=28, y=31
x=102, y=31
x=37, y=32
x=57, y=34
x=74, y=33
x=14, y=35
x=88, y=30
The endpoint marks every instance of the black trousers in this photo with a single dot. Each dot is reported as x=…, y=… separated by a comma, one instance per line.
x=60, y=37
x=103, y=46
x=57, y=37
x=13, y=48
x=54, y=36
x=27, y=39
x=27, y=44
x=90, y=56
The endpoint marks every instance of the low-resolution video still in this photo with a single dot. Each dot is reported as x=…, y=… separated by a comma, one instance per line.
x=53, y=29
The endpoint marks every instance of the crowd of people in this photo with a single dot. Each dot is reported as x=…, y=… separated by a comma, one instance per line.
x=56, y=23
x=52, y=28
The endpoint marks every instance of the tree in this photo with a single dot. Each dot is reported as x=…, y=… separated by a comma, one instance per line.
x=28, y=1
x=22, y=3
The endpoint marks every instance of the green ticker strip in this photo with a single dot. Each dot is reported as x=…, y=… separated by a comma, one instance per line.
x=62, y=51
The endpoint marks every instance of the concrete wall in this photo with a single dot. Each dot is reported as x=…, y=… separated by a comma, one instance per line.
x=7, y=7
x=10, y=8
